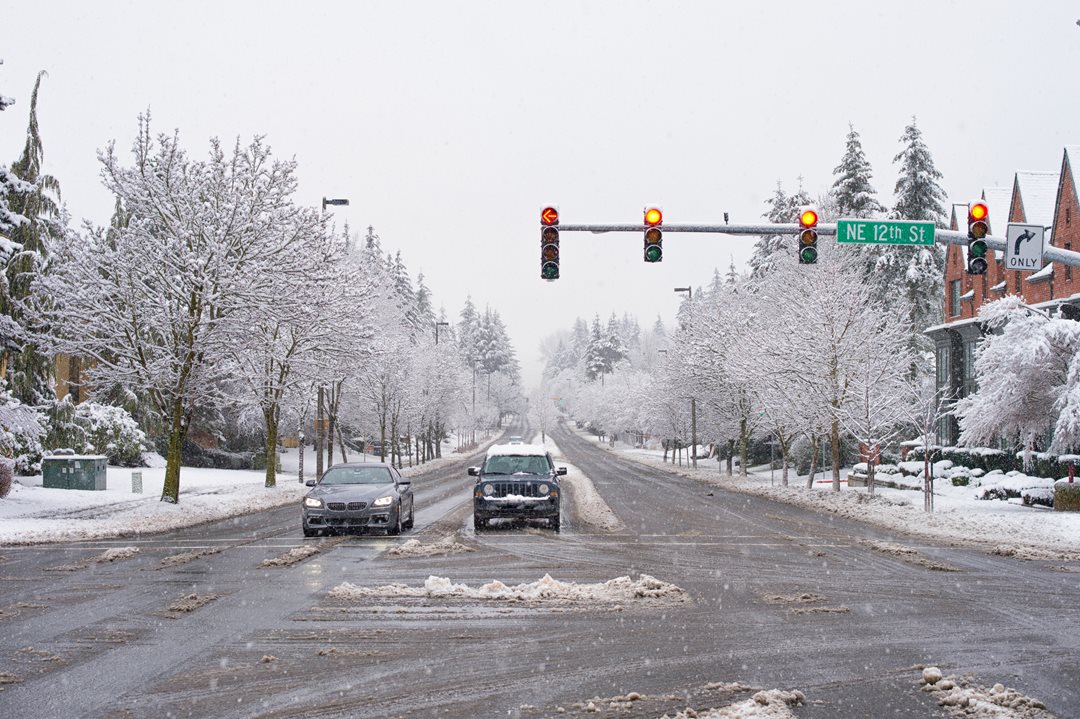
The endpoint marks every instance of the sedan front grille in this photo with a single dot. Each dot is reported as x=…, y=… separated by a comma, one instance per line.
x=341, y=506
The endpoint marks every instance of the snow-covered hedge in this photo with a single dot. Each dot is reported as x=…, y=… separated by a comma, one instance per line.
x=1067, y=496
x=1013, y=486
x=988, y=460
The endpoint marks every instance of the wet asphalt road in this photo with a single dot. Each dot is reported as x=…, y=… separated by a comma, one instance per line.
x=193, y=625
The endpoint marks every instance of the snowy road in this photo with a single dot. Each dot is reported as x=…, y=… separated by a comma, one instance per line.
x=241, y=618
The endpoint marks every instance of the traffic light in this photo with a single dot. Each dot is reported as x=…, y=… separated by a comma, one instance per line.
x=808, y=219
x=978, y=227
x=654, y=236
x=549, y=243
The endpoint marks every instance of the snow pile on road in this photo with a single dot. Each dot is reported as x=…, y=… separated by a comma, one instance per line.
x=963, y=698
x=614, y=591
x=767, y=704
x=591, y=507
x=415, y=548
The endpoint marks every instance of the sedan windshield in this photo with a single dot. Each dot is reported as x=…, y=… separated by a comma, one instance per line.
x=357, y=475
x=516, y=464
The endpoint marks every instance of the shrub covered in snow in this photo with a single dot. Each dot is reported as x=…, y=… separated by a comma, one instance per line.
x=113, y=432
x=1067, y=496
x=1012, y=486
x=21, y=430
x=988, y=460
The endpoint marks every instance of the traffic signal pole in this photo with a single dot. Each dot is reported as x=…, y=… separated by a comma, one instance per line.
x=944, y=237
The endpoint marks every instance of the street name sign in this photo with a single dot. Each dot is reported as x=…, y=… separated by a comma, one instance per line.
x=1024, y=245
x=885, y=232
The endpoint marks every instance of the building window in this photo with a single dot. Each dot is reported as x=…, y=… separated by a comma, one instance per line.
x=1068, y=246
x=943, y=360
x=969, y=369
x=954, y=298
x=1068, y=212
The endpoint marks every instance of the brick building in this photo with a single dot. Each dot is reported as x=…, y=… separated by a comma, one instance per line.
x=1037, y=198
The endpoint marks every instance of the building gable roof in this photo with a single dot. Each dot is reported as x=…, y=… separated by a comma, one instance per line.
x=1038, y=193
x=999, y=202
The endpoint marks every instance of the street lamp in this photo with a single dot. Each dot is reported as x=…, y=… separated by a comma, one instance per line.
x=437, y=326
x=320, y=430
x=693, y=401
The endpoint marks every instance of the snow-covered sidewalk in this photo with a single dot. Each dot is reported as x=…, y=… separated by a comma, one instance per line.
x=1002, y=527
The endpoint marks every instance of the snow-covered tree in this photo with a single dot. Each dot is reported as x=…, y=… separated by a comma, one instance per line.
x=854, y=196
x=153, y=303
x=1028, y=369
x=36, y=200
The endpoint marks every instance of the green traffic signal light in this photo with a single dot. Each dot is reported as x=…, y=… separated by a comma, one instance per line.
x=977, y=264
x=654, y=240
x=808, y=255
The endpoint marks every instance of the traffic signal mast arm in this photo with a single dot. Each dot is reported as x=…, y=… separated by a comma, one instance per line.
x=945, y=237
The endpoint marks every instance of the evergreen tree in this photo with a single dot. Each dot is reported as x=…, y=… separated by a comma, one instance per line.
x=769, y=246
x=580, y=339
x=594, y=352
x=9, y=184
x=854, y=196
x=425, y=313
x=912, y=277
x=782, y=208
x=918, y=194
x=467, y=329
x=406, y=296
x=717, y=281
x=29, y=371
x=614, y=348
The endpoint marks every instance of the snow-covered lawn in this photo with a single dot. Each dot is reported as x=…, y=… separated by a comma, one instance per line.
x=32, y=513
x=1003, y=527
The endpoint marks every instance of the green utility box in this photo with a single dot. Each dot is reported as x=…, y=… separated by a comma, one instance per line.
x=74, y=471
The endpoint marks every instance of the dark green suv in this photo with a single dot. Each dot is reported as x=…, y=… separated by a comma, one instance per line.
x=516, y=481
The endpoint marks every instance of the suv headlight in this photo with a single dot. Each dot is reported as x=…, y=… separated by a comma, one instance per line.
x=382, y=502
x=543, y=488
x=488, y=489
x=313, y=502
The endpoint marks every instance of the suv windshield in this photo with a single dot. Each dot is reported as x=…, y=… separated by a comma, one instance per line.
x=357, y=475
x=516, y=464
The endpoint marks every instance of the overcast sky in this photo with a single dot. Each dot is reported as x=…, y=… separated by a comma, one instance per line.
x=448, y=125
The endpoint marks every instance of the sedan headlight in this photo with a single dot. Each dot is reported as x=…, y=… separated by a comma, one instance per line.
x=488, y=489
x=543, y=488
x=313, y=502
x=382, y=502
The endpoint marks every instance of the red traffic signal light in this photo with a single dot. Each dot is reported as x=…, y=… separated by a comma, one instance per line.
x=808, y=219
x=653, y=216
x=549, y=216
x=978, y=220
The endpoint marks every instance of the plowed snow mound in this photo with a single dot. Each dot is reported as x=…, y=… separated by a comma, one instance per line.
x=620, y=589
